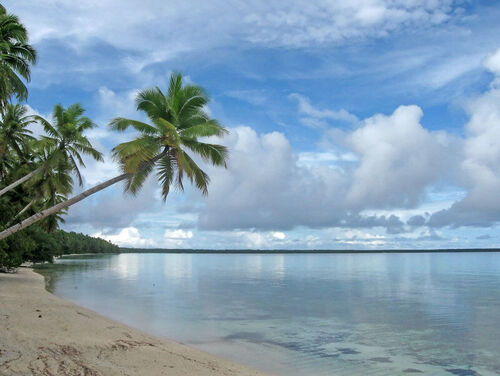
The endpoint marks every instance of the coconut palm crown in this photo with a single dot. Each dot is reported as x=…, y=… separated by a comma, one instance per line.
x=16, y=56
x=177, y=120
x=47, y=189
x=65, y=138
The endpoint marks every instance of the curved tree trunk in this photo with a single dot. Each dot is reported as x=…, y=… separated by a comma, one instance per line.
x=56, y=208
x=21, y=212
x=21, y=181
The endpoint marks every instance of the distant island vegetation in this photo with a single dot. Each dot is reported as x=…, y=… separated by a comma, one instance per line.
x=37, y=245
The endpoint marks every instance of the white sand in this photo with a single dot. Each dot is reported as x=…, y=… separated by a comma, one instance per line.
x=42, y=334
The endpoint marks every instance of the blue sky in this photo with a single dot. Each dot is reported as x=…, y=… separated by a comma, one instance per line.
x=354, y=124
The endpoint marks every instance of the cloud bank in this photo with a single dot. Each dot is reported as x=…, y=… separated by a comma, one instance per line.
x=326, y=144
x=392, y=163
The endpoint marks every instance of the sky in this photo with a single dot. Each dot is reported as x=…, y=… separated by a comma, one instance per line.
x=354, y=124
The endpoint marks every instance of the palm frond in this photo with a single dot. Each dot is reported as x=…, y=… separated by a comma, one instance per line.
x=166, y=173
x=131, y=154
x=89, y=150
x=152, y=102
x=121, y=124
x=76, y=170
x=48, y=128
x=169, y=131
x=195, y=174
x=136, y=181
x=213, y=153
x=206, y=129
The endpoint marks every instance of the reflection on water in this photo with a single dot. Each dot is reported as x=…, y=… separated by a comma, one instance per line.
x=305, y=314
x=178, y=267
x=126, y=266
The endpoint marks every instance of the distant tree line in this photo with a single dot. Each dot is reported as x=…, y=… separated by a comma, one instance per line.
x=36, y=245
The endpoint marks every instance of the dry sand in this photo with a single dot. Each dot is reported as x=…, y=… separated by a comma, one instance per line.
x=42, y=334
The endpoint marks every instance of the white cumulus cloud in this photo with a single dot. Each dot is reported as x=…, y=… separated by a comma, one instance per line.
x=391, y=161
x=479, y=168
x=278, y=235
x=178, y=234
x=399, y=158
x=492, y=62
x=127, y=237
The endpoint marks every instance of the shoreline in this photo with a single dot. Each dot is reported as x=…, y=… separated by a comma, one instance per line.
x=41, y=333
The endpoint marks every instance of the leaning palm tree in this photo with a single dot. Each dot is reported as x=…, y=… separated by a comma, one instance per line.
x=177, y=120
x=66, y=139
x=15, y=136
x=49, y=188
x=16, y=56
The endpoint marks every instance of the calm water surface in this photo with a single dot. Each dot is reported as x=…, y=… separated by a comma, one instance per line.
x=328, y=314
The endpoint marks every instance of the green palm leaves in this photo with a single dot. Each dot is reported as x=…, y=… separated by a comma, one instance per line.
x=15, y=137
x=65, y=143
x=16, y=56
x=38, y=173
x=178, y=120
x=65, y=138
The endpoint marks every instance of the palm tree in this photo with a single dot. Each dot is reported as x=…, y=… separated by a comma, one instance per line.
x=53, y=188
x=177, y=120
x=65, y=139
x=16, y=56
x=48, y=189
x=15, y=138
x=14, y=133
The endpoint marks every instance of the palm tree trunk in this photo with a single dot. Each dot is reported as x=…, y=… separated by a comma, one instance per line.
x=56, y=208
x=21, y=181
x=21, y=212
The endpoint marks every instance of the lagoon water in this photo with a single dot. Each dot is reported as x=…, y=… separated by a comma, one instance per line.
x=303, y=314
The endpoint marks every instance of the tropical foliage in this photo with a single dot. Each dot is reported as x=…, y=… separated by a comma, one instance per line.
x=177, y=120
x=16, y=56
x=36, y=245
x=15, y=137
x=66, y=140
x=22, y=154
x=37, y=173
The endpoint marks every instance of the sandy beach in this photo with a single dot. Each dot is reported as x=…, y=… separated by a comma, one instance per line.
x=42, y=334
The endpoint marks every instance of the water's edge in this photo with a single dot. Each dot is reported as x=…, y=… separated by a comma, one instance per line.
x=47, y=278
x=298, y=314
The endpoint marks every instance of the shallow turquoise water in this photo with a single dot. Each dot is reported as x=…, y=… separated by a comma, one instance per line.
x=327, y=314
